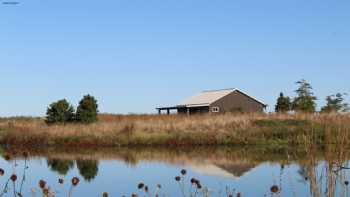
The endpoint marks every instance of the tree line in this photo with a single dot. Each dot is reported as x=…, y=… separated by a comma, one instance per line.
x=62, y=111
x=305, y=101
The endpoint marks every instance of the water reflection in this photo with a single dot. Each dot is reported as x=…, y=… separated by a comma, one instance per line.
x=271, y=171
x=60, y=166
x=88, y=169
x=329, y=177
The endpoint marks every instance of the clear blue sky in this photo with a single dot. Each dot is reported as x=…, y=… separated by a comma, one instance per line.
x=134, y=55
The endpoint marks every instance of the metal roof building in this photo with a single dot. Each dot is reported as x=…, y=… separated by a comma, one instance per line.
x=217, y=101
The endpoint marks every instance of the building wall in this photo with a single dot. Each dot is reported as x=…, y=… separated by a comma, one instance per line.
x=237, y=102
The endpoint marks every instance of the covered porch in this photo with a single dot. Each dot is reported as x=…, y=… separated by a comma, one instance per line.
x=166, y=109
x=191, y=109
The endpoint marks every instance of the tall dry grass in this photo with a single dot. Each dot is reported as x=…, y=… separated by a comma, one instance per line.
x=222, y=129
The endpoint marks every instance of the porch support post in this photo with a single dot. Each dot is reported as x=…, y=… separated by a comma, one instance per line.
x=168, y=111
x=188, y=111
x=159, y=111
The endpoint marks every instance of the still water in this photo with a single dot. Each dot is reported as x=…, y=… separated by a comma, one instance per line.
x=250, y=171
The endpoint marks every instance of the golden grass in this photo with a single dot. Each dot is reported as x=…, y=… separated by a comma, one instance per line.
x=223, y=129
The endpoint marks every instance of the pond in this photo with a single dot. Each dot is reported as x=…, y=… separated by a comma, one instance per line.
x=219, y=171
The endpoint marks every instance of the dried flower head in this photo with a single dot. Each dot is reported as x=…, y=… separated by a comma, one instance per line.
x=42, y=184
x=346, y=182
x=183, y=172
x=2, y=172
x=177, y=178
x=196, y=183
x=13, y=177
x=193, y=180
x=60, y=181
x=140, y=185
x=75, y=181
x=133, y=195
x=274, y=189
x=105, y=194
x=146, y=188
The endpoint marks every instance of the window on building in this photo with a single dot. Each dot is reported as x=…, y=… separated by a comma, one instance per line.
x=215, y=109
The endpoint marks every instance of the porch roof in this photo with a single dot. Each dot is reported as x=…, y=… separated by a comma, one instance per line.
x=184, y=106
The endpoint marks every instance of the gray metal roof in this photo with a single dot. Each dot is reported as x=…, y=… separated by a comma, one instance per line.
x=205, y=98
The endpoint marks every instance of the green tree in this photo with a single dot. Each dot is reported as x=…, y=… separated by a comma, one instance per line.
x=88, y=169
x=87, y=110
x=60, y=112
x=335, y=103
x=305, y=100
x=283, y=104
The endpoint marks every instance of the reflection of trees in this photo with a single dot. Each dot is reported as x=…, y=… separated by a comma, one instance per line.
x=60, y=166
x=88, y=169
x=326, y=178
x=311, y=168
x=129, y=159
x=303, y=174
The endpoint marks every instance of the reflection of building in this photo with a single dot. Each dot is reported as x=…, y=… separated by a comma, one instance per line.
x=229, y=170
x=237, y=169
x=217, y=101
x=211, y=170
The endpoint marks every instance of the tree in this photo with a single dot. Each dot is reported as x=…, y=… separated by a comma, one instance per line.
x=335, y=103
x=305, y=100
x=283, y=104
x=60, y=112
x=87, y=110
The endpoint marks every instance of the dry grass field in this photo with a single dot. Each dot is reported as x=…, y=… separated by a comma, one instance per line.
x=176, y=130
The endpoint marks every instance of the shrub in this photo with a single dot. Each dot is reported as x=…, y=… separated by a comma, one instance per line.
x=60, y=112
x=305, y=100
x=335, y=103
x=283, y=104
x=87, y=110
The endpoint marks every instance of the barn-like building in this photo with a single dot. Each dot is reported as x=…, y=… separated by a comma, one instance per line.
x=217, y=101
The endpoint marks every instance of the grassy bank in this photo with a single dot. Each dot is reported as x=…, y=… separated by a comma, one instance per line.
x=224, y=129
